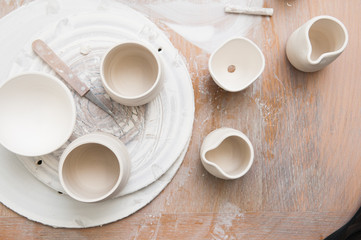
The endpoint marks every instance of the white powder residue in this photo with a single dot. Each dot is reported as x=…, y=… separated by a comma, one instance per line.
x=224, y=222
x=188, y=13
x=53, y=7
x=230, y=208
x=204, y=24
x=194, y=33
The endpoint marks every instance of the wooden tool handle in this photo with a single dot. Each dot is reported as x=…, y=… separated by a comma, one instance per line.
x=49, y=56
x=249, y=10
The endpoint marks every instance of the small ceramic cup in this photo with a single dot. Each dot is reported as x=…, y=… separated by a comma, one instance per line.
x=236, y=64
x=131, y=73
x=227, y=153
x=37, y=114
x=316, y=43
x=94, y=167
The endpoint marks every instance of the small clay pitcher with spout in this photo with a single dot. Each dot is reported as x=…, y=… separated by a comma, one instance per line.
x=316, y=43
x=227, y=153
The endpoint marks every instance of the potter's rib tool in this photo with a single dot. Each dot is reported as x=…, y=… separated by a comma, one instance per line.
x=249, y=10
x=49, y=56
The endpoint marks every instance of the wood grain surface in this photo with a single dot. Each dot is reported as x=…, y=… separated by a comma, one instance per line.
x=306, y=131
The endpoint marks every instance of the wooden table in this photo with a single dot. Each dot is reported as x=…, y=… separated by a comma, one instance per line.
x=306, y=131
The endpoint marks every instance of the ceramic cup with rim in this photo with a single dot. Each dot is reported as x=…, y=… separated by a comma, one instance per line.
x=131, y=73
x=236, y=64
x=37, y=114
x=227, y=153
x=316, y=43
x=94, y=167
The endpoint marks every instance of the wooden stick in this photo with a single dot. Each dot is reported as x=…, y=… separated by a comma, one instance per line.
x=249, y=10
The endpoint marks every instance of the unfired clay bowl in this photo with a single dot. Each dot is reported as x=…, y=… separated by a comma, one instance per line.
x=227, y=153
x=94, y=167
x=37, y=114
x=131, y=73
x=236, y=64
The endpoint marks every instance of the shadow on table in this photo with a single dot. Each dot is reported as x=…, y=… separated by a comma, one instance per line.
x=350, y=231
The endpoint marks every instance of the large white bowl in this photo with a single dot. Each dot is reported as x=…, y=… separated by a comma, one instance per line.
x=37, y=114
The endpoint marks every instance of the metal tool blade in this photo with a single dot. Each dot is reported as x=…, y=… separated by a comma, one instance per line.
x=91, y=97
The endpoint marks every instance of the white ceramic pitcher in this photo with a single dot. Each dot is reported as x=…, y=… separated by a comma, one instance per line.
x=316, y=43
x=227, y=153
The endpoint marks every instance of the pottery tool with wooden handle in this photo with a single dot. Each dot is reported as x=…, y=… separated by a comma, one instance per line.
x=53, y=60
x=249, y=10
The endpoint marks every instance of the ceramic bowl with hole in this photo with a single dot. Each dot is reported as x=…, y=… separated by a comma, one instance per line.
x=227, y=153
x=37, y=114
x=236, y=64
x=94, y=167
x=131, y=73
